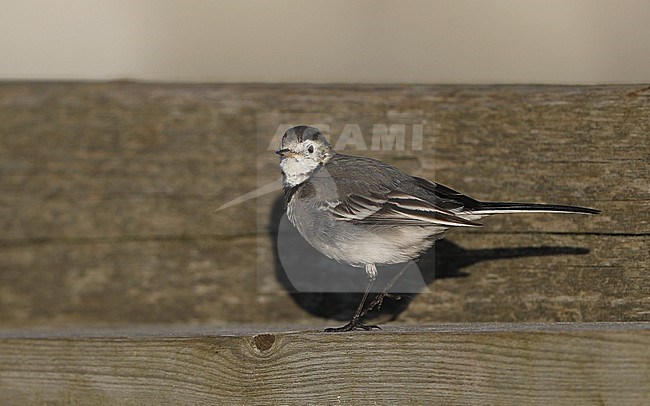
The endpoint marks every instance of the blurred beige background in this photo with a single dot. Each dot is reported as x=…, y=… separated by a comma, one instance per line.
x=500, y=41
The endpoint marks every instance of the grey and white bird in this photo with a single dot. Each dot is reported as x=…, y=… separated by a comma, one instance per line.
x=364, y=212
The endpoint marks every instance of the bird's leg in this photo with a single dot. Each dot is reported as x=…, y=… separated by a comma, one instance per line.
x=354, y=324
x=379, y=299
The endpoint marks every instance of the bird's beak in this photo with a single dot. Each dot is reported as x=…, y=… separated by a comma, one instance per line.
x=285, y=152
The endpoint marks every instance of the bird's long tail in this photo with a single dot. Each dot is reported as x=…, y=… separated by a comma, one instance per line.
x=486, y=208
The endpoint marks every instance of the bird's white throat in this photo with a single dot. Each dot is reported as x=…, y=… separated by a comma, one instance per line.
x=297, y=169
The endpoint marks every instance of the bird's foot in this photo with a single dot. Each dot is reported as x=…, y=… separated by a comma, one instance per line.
x=354, y=324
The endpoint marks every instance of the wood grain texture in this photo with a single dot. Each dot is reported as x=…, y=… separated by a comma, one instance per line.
x=480, y=364
x=108, y=192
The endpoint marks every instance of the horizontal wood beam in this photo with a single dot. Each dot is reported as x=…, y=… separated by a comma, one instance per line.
x=567, y=363
x=108, y=194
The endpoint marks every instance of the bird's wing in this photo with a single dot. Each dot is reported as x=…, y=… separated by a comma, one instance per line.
x=375, y=193
x=447, y=197
x=395, y=208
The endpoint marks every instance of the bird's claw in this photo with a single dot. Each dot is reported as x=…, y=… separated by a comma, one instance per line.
x=352, y=325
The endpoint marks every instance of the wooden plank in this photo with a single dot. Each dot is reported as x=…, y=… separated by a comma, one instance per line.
x=601, y=363
x=510, y=277
x=108, y=191
x=101, y=160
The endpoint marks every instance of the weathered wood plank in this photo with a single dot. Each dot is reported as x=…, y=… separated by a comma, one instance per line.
x=473, y=279
x=106, y=159
x=454, y=364
x=108, y=191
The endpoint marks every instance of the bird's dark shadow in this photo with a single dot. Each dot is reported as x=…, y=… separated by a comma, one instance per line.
x=333, y=291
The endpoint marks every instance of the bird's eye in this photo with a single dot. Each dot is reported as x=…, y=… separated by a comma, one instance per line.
x=310, y=149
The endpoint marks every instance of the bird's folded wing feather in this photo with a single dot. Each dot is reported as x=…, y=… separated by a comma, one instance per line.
x=395, y=208
x=372, y=192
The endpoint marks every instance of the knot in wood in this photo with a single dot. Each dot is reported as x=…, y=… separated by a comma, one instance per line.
x=263, y=342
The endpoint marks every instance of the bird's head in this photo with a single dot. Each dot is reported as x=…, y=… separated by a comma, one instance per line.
x=303, y=149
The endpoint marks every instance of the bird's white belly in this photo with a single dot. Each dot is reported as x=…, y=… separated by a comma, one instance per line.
x=400, y=244
x=359, y=245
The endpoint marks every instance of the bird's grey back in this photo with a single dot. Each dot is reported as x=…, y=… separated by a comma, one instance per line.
x=367, y=176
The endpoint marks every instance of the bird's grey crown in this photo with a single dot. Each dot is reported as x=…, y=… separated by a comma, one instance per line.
x=301, y=133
